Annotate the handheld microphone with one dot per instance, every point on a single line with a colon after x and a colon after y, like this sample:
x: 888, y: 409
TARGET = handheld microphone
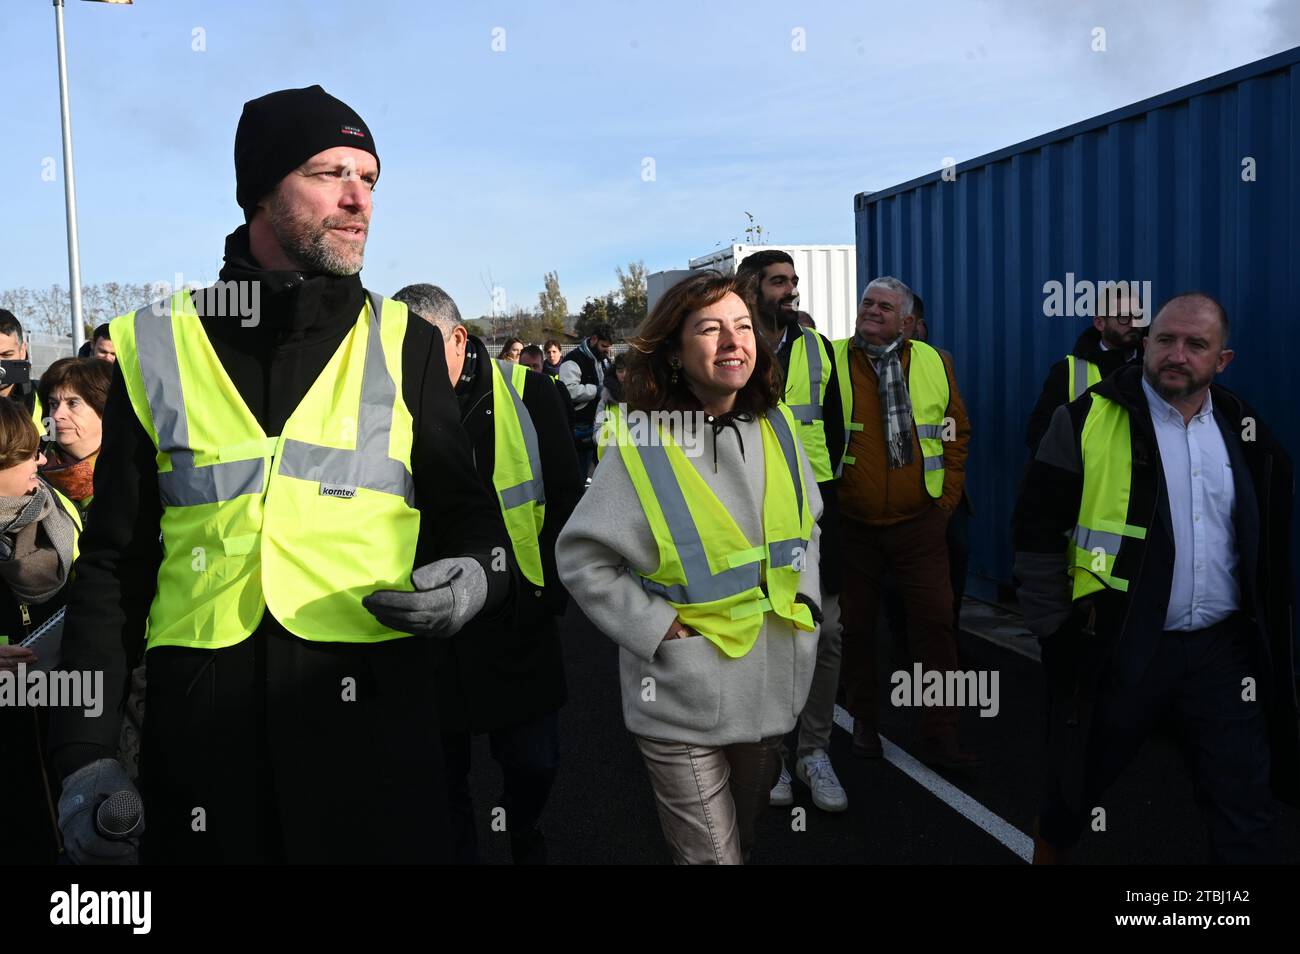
x: 120, y: 816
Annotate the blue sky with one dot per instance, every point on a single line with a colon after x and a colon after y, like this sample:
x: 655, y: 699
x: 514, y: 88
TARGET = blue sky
x: 499, y: 166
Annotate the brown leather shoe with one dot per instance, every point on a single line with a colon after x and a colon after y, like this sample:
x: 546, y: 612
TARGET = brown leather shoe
x: 946, y: 754
x: 866, y: 742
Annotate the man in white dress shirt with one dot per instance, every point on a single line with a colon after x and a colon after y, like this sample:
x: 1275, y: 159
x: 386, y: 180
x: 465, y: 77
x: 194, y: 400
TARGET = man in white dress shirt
x: 1172, y: 598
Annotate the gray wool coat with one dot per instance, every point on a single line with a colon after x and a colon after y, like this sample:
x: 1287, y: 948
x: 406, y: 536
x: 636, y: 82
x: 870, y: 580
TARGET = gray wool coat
x: 700, y: 695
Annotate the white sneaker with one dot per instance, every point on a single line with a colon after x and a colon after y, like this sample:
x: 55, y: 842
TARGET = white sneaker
x: 815, y: 771
x: 782, y: 794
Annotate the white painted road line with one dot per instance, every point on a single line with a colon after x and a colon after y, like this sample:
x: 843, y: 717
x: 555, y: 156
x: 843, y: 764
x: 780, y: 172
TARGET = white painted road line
x: 1009, y: 835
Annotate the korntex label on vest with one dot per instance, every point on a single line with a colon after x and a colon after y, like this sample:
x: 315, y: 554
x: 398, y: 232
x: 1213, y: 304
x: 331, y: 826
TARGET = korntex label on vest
x: 77, y: 907
x: 337, y: 490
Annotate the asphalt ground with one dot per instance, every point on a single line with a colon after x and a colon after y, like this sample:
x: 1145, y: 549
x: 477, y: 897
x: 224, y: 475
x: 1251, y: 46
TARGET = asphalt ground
x: 602, y: 811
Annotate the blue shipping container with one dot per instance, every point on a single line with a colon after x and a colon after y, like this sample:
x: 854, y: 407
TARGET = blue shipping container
x: 1193, y: 189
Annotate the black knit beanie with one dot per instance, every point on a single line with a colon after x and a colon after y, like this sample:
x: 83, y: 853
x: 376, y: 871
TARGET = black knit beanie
x: 280, y: 131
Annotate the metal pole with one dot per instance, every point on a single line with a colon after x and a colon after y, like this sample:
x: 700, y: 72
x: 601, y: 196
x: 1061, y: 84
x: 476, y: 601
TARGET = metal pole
x: 69, y: 186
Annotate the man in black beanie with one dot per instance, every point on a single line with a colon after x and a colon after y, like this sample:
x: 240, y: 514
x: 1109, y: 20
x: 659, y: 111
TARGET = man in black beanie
x: 320, y: 520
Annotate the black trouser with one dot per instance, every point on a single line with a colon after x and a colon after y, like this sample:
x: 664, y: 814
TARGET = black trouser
x: 529, y: 754
x: 1198, y: 678
x: 280, y: 749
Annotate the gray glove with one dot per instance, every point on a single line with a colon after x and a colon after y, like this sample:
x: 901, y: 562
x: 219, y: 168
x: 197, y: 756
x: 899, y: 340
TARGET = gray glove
x: 448, y: 594
x: 83, y: 790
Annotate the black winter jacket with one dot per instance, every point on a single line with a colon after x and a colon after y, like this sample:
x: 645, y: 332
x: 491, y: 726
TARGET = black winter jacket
x: 1128, y: 625
x: 503, y: 672
x: 1056, y: 386
x: 255, y: 732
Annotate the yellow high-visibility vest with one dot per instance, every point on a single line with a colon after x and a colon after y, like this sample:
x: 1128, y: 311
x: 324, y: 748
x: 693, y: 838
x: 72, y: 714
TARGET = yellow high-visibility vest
x: 517, y: 472
x: 805, y: 394
x: 1079, y: 375
x: 927, y: 386
x: 38, y: 413
x: 307, y: 522
x: 73, y: 511
x: 1102, y: 526
x: 720, y: 583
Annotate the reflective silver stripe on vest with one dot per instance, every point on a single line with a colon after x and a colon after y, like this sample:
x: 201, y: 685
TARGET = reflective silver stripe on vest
x: 187, y: 485
x: 807, y: 413
x: 184, y: 485
x: 932, y: 431
x: 339, y: 467
x: 1089, y: 539
x: 368, y: 466
x: 702, y: 584
x: 533, y: 490
x: 784, y: 552
x: 1080, y: 377
x: 934, y: 463
x: 191, y: 486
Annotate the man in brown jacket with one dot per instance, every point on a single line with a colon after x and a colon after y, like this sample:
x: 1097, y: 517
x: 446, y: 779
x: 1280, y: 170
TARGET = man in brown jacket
x: 903, y: 476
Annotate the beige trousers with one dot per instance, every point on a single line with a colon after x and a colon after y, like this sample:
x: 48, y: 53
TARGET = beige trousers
x: 709, y: 797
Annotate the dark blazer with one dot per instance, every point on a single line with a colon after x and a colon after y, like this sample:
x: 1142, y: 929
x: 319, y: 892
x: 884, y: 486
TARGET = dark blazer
x: 503, y: 672
x: 1128, y: 625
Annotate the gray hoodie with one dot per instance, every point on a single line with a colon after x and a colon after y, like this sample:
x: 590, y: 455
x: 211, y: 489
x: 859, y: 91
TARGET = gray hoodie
x: 700, y: 696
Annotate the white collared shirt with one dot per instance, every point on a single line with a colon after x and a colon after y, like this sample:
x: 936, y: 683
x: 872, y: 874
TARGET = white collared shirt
x: 1202, y: 498
x: 1127, y: 357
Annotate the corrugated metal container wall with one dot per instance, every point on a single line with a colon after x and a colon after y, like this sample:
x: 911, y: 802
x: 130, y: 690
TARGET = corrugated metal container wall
x: 1156, y: 191
x: 827, y: 280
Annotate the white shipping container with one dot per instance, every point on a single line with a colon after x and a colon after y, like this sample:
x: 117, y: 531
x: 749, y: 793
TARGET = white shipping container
x: 827, y: 280
x: 656, y: 283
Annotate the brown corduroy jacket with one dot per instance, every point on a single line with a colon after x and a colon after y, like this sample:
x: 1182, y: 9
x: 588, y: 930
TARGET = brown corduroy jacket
x: 870, y: 491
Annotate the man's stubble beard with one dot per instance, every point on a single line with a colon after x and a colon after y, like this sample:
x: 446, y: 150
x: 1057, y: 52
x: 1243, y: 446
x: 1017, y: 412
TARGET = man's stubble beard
x: 1181, y: 391
x: 771, y: 318
x: 305, y: 241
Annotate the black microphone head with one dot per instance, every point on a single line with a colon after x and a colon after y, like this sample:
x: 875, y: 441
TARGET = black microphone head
x: 119, y: 815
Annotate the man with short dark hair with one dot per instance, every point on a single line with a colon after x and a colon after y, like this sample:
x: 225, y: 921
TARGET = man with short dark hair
x: 774, y: 275
x: 533, y: 359
x: 1153, y: 538
x: 583, y: 373
x: 286, y: 516
x: 812, y: 390
x: 1114, y: 341
x: 101, y: 345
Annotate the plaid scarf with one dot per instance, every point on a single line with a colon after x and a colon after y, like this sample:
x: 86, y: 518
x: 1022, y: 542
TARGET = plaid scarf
x: 895, y: 402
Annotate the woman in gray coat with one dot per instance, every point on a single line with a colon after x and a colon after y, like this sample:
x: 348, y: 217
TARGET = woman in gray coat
x: 707, y: 694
